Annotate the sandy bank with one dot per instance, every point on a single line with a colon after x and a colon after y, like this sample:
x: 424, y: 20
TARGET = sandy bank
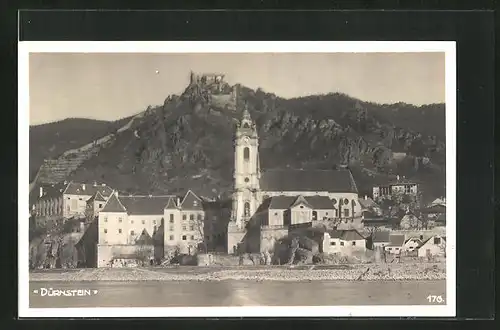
x: 371, y: 272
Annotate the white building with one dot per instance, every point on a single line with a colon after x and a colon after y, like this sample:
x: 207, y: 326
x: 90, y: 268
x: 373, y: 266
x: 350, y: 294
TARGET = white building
x: 257, y: 192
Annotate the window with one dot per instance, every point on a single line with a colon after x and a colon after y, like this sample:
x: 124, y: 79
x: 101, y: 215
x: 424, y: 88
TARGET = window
x: 154, y: 229
x: 100, y: 205
x: 184, y: 227
x: 247, y: 180
x: 192, y: 237
x: 333, y: 243
x: 397, y: 249
x: 105, y: 219
x: 184, y: 217
x: 246, y: 153
x: 191, y: 217
x: 315, y: 215
x: 200, y: 217
x: 353, y: 243
x: 184, y: 237
x: 119, y: 231
x: 171, y: 218
x: 120, y: 219
x: 171, y: 237
x: 341, y: 243
x: 302, y: 206
x: 171, y: 228
x: 195, y: 203
x: 80, y: 199
x: 132, y: 233
x: 191, y: 227
x: 143, y: 222
x: 246, y: 210
x: 390, y: 249
x: 131, y: 221
x: 326, y: 213
x: 346, y: 212
x: 105, y: 230
x: 154, y: 222
x: 437, y: 240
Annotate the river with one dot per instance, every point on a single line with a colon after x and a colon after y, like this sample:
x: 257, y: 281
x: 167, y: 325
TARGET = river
x: 236, y: 293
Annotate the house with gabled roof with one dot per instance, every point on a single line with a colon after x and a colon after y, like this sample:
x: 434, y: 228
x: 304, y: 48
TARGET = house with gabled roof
x: 412, y: 244
x: 128, y: 221
x: 344, y: 242
x: 76, y: 195
x: 433, y: 246
x: 396, y: 244
x: 95, y: 205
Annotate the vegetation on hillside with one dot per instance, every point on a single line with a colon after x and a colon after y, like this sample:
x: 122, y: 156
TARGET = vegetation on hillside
x: 187, y: 142
x: 48, y: 141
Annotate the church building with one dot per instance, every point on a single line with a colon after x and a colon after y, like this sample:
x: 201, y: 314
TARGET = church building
x: 270, y: 202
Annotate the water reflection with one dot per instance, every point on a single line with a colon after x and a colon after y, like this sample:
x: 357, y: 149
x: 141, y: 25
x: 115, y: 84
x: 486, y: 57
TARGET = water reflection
x: 238, y: 293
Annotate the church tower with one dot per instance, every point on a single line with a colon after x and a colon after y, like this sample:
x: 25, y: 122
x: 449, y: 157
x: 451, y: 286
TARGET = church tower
x: 246, y: 171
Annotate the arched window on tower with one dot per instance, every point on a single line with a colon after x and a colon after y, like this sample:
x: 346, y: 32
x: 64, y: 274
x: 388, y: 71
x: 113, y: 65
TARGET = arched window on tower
x: 245, y: 125
x: 246, y: 153
x: 246, y: 209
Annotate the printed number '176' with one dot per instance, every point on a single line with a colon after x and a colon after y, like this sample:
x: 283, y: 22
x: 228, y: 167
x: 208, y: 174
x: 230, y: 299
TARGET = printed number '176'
x: 435, y: 299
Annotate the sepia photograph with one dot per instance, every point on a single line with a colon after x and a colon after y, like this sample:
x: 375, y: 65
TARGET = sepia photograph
x: 273, y: 178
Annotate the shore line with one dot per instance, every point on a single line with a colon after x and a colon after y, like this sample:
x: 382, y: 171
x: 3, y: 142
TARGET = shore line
x: 373, y: 272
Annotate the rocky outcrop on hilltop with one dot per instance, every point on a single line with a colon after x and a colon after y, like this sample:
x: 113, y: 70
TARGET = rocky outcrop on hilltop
x: 187, y: 141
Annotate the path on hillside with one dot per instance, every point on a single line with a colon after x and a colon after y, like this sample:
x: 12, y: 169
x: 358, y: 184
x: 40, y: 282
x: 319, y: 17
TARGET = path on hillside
x: 54, y: 171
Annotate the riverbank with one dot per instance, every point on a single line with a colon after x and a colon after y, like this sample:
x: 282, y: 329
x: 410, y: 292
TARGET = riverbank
x: 361, y: 272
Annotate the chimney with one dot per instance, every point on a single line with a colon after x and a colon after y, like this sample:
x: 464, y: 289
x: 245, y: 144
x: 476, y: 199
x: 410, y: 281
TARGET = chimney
x: 41, y: 192
x: 83, y: 187
x: 178, y: 202
x: 397, y: 177
x: 95, y: 184
x: 82, y: 226
x: 366, y: 197
x: 104, y: 185
x: 116, y: 193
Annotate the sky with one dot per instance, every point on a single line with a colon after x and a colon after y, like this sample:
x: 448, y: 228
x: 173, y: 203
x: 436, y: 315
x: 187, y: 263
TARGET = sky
x: 110, y: 86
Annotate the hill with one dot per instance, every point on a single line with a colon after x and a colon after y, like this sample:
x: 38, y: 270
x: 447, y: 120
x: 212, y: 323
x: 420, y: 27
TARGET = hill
x: 187, y: 142
x: 48, y: 141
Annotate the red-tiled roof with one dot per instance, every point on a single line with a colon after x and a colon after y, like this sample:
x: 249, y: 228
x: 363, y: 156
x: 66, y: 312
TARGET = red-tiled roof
x: 113, y: 205
x: 145, y: 205
x: 308, y: 180
x: 85, y: 189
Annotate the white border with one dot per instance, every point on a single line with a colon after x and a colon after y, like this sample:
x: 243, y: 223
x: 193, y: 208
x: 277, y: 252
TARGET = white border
x: 24, y: 48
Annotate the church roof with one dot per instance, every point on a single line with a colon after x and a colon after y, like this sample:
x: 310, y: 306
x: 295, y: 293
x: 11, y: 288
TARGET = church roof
x: 285, y: 202
x: 340, y: 180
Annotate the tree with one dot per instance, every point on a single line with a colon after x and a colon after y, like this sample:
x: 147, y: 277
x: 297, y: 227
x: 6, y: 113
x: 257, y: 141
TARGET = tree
x: 142, y: 253
x: 199, y: 224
